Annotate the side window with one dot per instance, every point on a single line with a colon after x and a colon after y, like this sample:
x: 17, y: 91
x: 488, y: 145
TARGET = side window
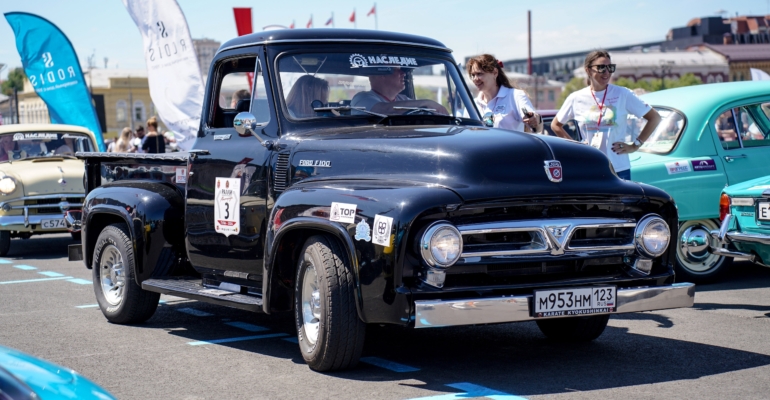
x: 259, y: 106
x: 753, y: 125
x: 726, y: 130
x: 234, y: 88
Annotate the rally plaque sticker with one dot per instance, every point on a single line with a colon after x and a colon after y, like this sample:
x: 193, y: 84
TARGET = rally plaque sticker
x: 381, y: 230
x: 181, y: 175
x: 227, y: 210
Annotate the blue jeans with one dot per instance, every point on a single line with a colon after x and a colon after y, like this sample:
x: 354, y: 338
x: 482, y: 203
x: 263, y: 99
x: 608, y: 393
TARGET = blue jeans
x: 625, y: 174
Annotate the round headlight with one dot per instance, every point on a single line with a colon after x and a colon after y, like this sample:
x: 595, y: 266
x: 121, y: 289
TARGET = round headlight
x: 652, y: 236
x: 441, y: 245
x: 7, y: 185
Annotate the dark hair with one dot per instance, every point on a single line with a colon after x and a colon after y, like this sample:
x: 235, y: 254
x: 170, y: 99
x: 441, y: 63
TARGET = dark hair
x: 488, y: 63
x: 153, y: 122
x: 595, y: 55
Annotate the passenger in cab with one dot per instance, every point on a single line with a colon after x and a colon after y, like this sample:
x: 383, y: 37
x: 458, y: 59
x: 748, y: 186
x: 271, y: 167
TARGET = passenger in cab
x: 303, y: 93
x: 6, y: 147
x: 386, y: 94
x: 511, y: 107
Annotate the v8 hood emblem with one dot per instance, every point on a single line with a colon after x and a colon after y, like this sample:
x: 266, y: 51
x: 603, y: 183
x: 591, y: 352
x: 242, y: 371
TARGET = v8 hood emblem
x: 558, y: 235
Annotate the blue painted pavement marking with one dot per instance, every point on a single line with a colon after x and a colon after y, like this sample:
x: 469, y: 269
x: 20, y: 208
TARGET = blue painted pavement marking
x: 247, y: 326
x: 4, y: 261
x: 192, y: 311
x: 35, y: 280
x: 236, y: 339
x: 80, y: 281
x: 471, y: 391
x: 50, y: 273
x: 292, y: 339
x: 393, y: 366
x: 24, y: 267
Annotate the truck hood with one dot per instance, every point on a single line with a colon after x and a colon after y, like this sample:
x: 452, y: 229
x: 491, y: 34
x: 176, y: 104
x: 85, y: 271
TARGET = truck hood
x: 480, y: 164
x: 44, y: 175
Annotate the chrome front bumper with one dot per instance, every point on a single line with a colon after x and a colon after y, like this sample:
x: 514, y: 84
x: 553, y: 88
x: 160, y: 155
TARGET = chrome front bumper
x: 720, y: 241
x: 26, y: 219
x: 438, y: 313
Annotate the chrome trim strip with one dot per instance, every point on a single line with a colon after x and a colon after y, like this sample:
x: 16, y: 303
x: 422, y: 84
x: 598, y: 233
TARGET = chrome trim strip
x: 438, y: 313
x: 45, y: 197
x: 721, y: 239
x: 552, y: 243
x: 35, y: 206
x: 322, y: 41
x: 26, y: 220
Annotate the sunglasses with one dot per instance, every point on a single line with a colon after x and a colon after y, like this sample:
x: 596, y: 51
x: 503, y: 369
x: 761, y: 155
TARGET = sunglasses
x: 600, y: 68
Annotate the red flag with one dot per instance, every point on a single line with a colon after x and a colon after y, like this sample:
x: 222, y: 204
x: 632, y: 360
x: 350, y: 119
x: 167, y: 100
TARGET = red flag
x: 292, y: 25
x: 309, y: 23
x: 353, y: 16
x: 329, y: 22
x: 242, y: 20
x: 372, y: 11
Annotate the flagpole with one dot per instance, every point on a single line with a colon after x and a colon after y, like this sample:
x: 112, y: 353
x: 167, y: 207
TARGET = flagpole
x: 375, y: 16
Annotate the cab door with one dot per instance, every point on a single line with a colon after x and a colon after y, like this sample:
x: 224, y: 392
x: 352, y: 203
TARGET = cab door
x: 227, y: 190
x: 744, y: 135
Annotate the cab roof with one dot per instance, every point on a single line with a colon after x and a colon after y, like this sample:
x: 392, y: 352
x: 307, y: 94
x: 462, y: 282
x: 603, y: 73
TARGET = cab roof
x: 332, y: 36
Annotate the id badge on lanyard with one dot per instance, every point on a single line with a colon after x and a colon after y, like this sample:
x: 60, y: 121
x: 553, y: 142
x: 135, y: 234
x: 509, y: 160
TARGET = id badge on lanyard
x: 598, y: 134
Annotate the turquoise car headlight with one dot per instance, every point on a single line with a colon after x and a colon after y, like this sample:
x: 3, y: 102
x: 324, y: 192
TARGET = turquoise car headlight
x: 652, y: 236
x: 7, y: 185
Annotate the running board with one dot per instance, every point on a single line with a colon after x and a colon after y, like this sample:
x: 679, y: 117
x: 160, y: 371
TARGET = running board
x: 193, y: 289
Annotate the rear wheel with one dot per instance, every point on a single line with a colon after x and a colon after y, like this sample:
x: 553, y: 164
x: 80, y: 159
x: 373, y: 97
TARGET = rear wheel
x: 694, y: 263
x: 5, y: 243
x: 120, y: 298
x: 330, y: 333
x: 578, y: 329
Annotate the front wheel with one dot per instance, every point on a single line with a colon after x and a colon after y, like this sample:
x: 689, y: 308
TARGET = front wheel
x: 330, y: 333
x: 576, y: 329
x: 120, y: 298
x: 694, y: 263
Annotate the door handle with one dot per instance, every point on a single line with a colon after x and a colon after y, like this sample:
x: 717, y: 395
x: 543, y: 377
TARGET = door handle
x: 731, y: 158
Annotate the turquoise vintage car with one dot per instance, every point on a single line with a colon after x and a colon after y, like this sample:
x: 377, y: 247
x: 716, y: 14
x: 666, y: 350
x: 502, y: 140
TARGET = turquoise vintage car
x: 711, y: 136
x: 23, y: 376
x: 745, y: 230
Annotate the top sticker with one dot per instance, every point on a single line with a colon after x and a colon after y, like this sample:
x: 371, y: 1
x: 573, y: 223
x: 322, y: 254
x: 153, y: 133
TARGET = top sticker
x: 342, y: 212
x: 382, y: 60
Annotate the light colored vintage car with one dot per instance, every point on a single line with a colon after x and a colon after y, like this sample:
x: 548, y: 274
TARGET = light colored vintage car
x: 710, y: 136
x: 745, y: 231
x: 40, y: 179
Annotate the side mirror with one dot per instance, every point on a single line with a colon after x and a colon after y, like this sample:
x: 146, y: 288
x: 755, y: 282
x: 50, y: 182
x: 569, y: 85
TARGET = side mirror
x: 246, y: 124
x: 488, y: 119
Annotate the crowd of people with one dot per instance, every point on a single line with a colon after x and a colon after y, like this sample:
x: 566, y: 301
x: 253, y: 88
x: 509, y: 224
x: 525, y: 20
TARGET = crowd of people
x: 138, y: 141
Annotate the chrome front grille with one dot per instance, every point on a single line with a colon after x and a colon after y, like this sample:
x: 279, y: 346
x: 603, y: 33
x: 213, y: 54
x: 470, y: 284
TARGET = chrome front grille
x: 547, y: 237
x: 281, y: 172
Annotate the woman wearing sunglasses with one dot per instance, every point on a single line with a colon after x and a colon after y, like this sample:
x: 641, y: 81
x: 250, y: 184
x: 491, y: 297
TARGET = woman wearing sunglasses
x: 511, y: 107
x: 601, y: 110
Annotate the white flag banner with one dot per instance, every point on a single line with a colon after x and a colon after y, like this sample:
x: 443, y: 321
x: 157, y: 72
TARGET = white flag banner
x: 173, y: 73
x: 759, y: 75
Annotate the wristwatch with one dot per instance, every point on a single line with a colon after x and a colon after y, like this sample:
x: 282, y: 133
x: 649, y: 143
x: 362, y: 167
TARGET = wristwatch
x: 638, y: 143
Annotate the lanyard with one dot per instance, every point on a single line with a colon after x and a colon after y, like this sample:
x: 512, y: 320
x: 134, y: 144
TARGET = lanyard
x: 601, y: 106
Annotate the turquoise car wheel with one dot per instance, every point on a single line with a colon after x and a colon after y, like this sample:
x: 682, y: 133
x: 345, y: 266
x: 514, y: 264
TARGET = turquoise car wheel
x: 694, y: 262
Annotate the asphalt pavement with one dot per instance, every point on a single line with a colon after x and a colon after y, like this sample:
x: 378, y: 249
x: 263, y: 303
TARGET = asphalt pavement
x: 191, y: 350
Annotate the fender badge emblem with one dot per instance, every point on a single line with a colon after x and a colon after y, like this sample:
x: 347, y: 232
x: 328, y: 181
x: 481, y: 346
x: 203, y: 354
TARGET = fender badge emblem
x: 553, y: 170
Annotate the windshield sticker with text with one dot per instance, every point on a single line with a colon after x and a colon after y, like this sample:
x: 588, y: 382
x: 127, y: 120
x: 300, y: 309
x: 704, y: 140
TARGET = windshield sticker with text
x: 382, y: 60
x: 28, y: 136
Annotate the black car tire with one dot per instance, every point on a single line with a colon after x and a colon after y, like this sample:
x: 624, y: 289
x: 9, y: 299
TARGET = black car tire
x: 329, y: 331
x: 113, y: 265
x: 707, y: 267
x: 577, y: 329
x: 5, y: 243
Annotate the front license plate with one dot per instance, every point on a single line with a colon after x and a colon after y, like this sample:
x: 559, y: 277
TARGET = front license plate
x: 53, y: 224
x: 575, y: 301
x: 763, y: 212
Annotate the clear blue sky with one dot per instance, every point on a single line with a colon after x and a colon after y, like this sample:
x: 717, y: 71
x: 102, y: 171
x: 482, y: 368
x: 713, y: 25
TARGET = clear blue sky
x: 104, y: 28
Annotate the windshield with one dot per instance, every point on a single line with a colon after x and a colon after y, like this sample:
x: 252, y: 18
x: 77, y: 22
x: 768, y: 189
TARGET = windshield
x: 664, y: 137
x: 22, y: 145
x: 366, y: 85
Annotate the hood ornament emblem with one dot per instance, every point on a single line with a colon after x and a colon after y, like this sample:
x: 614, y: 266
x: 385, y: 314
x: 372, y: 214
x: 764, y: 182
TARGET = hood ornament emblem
x: 553, y: 170
x: 62, y: 181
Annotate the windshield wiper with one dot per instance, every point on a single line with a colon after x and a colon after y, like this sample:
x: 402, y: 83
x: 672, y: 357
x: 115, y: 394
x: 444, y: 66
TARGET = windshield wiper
x: 417, y: 109
x: 349, y: 108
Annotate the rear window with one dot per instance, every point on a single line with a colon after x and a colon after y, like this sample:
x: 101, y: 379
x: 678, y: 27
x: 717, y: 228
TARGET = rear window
x: 665, y: 136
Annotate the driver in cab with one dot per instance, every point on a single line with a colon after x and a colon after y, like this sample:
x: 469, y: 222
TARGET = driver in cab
x: 386, y: 94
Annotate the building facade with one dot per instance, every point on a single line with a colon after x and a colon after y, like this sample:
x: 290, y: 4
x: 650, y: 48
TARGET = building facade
x: 205, y: 49
x: 741, y: 58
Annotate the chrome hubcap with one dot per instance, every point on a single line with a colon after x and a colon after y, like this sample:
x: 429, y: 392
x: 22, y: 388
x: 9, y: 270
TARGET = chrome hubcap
x: 692, y: 249
x: 111, y: 275
x: 311, y: 302
x: 694, y: 242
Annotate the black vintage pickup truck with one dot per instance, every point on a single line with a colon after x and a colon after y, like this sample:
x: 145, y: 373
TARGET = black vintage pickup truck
x: 311, y: 190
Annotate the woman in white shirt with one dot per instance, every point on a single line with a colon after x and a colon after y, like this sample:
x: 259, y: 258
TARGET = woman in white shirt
x: 511, y: 107
x: 601, y: 110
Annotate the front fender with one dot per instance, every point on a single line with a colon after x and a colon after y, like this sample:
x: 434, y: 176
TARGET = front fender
x: 304, y: 211
x: 154, y: 214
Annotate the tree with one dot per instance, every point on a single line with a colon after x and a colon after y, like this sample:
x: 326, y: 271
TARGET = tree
x: 653, y: 85
x: 573, y: 85
x: 15, y: 81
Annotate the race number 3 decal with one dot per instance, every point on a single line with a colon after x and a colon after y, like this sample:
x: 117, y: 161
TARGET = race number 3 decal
x: 227, y: 210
